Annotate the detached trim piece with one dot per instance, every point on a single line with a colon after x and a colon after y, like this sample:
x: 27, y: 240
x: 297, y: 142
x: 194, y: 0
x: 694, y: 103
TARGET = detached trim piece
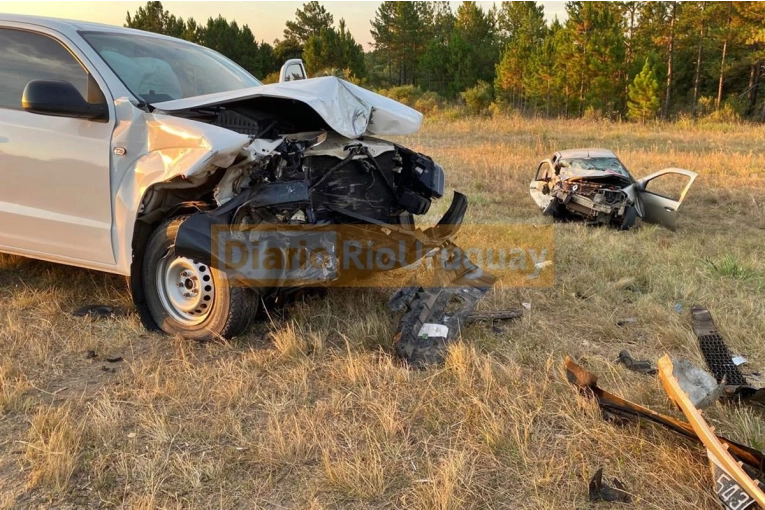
x: 717, y: 451
x: 712, y: 345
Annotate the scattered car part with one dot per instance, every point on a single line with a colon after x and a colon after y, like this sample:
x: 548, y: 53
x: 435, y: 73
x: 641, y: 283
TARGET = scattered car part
x: 628, y: 320
x: 598, y: 491
x: 434, y: 316
x: 114, y: 360
x: 617, y: 407
x: 501, y: 315
x: 99, y: 312
x: 593, y: 184
x: 719, y: 359
x: 735, y: 488
x: 701, y: 388
x: 641, y: 367
x: 713, y: 348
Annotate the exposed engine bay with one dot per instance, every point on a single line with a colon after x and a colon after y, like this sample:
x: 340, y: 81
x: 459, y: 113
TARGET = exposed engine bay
x: 598, y: 200
x: 288, y: 189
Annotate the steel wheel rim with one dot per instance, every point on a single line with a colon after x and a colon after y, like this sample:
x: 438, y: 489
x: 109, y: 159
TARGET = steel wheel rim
x: 186, y: 289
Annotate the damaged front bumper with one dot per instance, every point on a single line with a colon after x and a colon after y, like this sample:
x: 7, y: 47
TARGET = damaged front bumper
x: 601, y: 204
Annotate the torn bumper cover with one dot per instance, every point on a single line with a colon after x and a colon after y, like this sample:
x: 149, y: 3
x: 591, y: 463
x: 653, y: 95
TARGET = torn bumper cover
x: 211, y: 237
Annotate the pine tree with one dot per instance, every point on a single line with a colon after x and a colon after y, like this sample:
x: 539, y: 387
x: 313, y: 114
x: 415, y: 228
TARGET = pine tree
x: 400, y: 31
x: 541, y: 82
x: 434, y: 75
x: 596, y: 54
x: 522, y: 28
x: 644, y: 100
x: 310, y: 20
x: 334, y: 49
x: 474, y: 51
x: 154, y: 18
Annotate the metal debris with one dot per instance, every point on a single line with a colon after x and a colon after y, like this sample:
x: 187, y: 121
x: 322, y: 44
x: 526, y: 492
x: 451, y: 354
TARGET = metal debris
x: 598, y: 491
x: 737, y: 469
x: 641, y: 367
x: 418, y: 340
x: 734, y: 486
x: 719, y: 360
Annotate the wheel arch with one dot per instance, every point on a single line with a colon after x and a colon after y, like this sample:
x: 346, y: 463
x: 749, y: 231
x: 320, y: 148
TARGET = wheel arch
x: 159, y: 203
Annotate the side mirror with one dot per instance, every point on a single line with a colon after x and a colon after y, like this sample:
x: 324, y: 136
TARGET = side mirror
x: 60, y: 99
x: 292, y: 70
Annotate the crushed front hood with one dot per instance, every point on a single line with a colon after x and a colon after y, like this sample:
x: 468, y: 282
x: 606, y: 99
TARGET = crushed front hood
x: 348, y: 109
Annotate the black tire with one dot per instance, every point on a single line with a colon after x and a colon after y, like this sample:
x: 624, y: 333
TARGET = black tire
x: 223, y: 311
x: 630, y: 216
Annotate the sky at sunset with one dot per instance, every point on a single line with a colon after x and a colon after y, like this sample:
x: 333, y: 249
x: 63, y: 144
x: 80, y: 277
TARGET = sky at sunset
x: 265, y: 19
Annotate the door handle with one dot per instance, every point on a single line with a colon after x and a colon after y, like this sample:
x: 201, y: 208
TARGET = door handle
x: 668, y: 209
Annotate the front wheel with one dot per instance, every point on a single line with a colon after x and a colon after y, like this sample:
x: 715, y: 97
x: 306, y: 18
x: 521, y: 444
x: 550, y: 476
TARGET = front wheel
x: 630, y: 216
x: 556, y: 209
x: 189, y: 298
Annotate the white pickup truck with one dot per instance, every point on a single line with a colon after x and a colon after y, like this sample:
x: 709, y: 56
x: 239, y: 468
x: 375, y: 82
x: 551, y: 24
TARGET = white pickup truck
x: 122, y: 151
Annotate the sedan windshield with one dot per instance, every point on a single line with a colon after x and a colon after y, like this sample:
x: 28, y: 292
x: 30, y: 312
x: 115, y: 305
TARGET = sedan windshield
x: 608, y: 165
x: 157, y: 70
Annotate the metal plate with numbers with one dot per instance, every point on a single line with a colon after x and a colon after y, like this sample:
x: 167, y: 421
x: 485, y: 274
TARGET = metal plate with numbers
x: 730, y: 493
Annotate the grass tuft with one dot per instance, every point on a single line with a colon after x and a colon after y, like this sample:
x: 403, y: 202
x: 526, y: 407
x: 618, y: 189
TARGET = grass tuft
x: 52, y: 448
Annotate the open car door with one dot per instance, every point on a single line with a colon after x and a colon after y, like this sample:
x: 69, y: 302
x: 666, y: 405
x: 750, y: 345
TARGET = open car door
x: 540, y: 186
x: 662, y: 193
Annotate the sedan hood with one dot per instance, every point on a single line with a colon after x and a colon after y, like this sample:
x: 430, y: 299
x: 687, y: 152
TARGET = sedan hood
x: 348, y: 109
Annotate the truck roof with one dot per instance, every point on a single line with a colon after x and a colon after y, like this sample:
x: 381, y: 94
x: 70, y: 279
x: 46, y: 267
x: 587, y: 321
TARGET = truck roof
x: 71, y: 27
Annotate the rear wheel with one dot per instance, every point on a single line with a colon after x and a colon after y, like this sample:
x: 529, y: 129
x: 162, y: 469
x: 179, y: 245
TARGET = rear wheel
x: 188, y: 298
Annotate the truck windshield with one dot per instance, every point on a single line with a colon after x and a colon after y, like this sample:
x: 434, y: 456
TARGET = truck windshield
x: 157, y: 70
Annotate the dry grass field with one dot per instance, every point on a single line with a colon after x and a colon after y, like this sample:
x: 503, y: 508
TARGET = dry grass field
x: 310, y: 410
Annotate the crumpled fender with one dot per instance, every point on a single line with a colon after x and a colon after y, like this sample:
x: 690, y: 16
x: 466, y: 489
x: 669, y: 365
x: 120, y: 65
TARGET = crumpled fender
x: 158, y: 148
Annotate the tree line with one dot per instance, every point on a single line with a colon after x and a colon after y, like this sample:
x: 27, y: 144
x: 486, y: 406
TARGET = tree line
x: 312, y: 36
x: 636, y: 60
